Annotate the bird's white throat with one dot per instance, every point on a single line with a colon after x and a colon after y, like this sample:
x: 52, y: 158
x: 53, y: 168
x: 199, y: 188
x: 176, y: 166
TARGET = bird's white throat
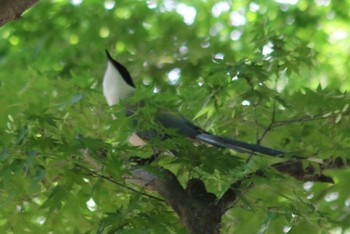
x: 114, y: 86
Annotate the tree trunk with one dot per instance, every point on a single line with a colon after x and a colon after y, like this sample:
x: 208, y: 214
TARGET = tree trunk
x: 196, y: 208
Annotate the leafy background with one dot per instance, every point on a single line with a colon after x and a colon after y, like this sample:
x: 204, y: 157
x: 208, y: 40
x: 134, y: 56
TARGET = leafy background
x: 269, y: 71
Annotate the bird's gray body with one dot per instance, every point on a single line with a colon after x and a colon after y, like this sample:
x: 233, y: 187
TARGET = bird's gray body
x: 117, y: 85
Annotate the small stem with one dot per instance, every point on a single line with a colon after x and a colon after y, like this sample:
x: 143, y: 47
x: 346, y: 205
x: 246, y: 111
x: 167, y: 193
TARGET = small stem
x: 95, y: 174
x: 273, y: 114
x: 301, y: 120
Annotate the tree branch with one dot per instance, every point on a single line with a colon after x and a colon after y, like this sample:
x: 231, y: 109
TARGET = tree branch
x: 110, y: 179
x: 13, y: 9
x: 294, y: 168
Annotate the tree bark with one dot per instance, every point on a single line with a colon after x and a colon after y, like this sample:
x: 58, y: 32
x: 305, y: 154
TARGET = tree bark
x: 197, y: 209
x: 13, y: 9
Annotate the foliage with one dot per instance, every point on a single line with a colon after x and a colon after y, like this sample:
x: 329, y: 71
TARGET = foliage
x: 258, y: 71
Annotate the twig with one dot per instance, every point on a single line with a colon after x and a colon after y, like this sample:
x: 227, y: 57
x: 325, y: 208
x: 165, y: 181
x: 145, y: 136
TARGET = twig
x: 273, y: 114
x: 95, y: 174
x: 302, y: 119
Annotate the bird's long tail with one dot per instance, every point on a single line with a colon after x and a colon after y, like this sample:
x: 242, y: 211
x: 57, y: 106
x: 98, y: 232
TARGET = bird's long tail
x: 239, y: 146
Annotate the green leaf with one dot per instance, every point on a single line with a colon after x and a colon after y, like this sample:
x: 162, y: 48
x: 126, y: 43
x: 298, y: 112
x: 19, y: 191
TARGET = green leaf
x: 4, y: 154
x: 208, y: 110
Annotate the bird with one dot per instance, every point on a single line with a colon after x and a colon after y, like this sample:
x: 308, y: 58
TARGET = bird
x: 118, y: 85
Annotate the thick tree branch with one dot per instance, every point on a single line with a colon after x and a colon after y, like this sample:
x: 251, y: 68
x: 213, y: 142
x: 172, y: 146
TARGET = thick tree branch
x: 294, y: 168
x: 196, y: 208
x: 13, y: 9
x: 312, y: 172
